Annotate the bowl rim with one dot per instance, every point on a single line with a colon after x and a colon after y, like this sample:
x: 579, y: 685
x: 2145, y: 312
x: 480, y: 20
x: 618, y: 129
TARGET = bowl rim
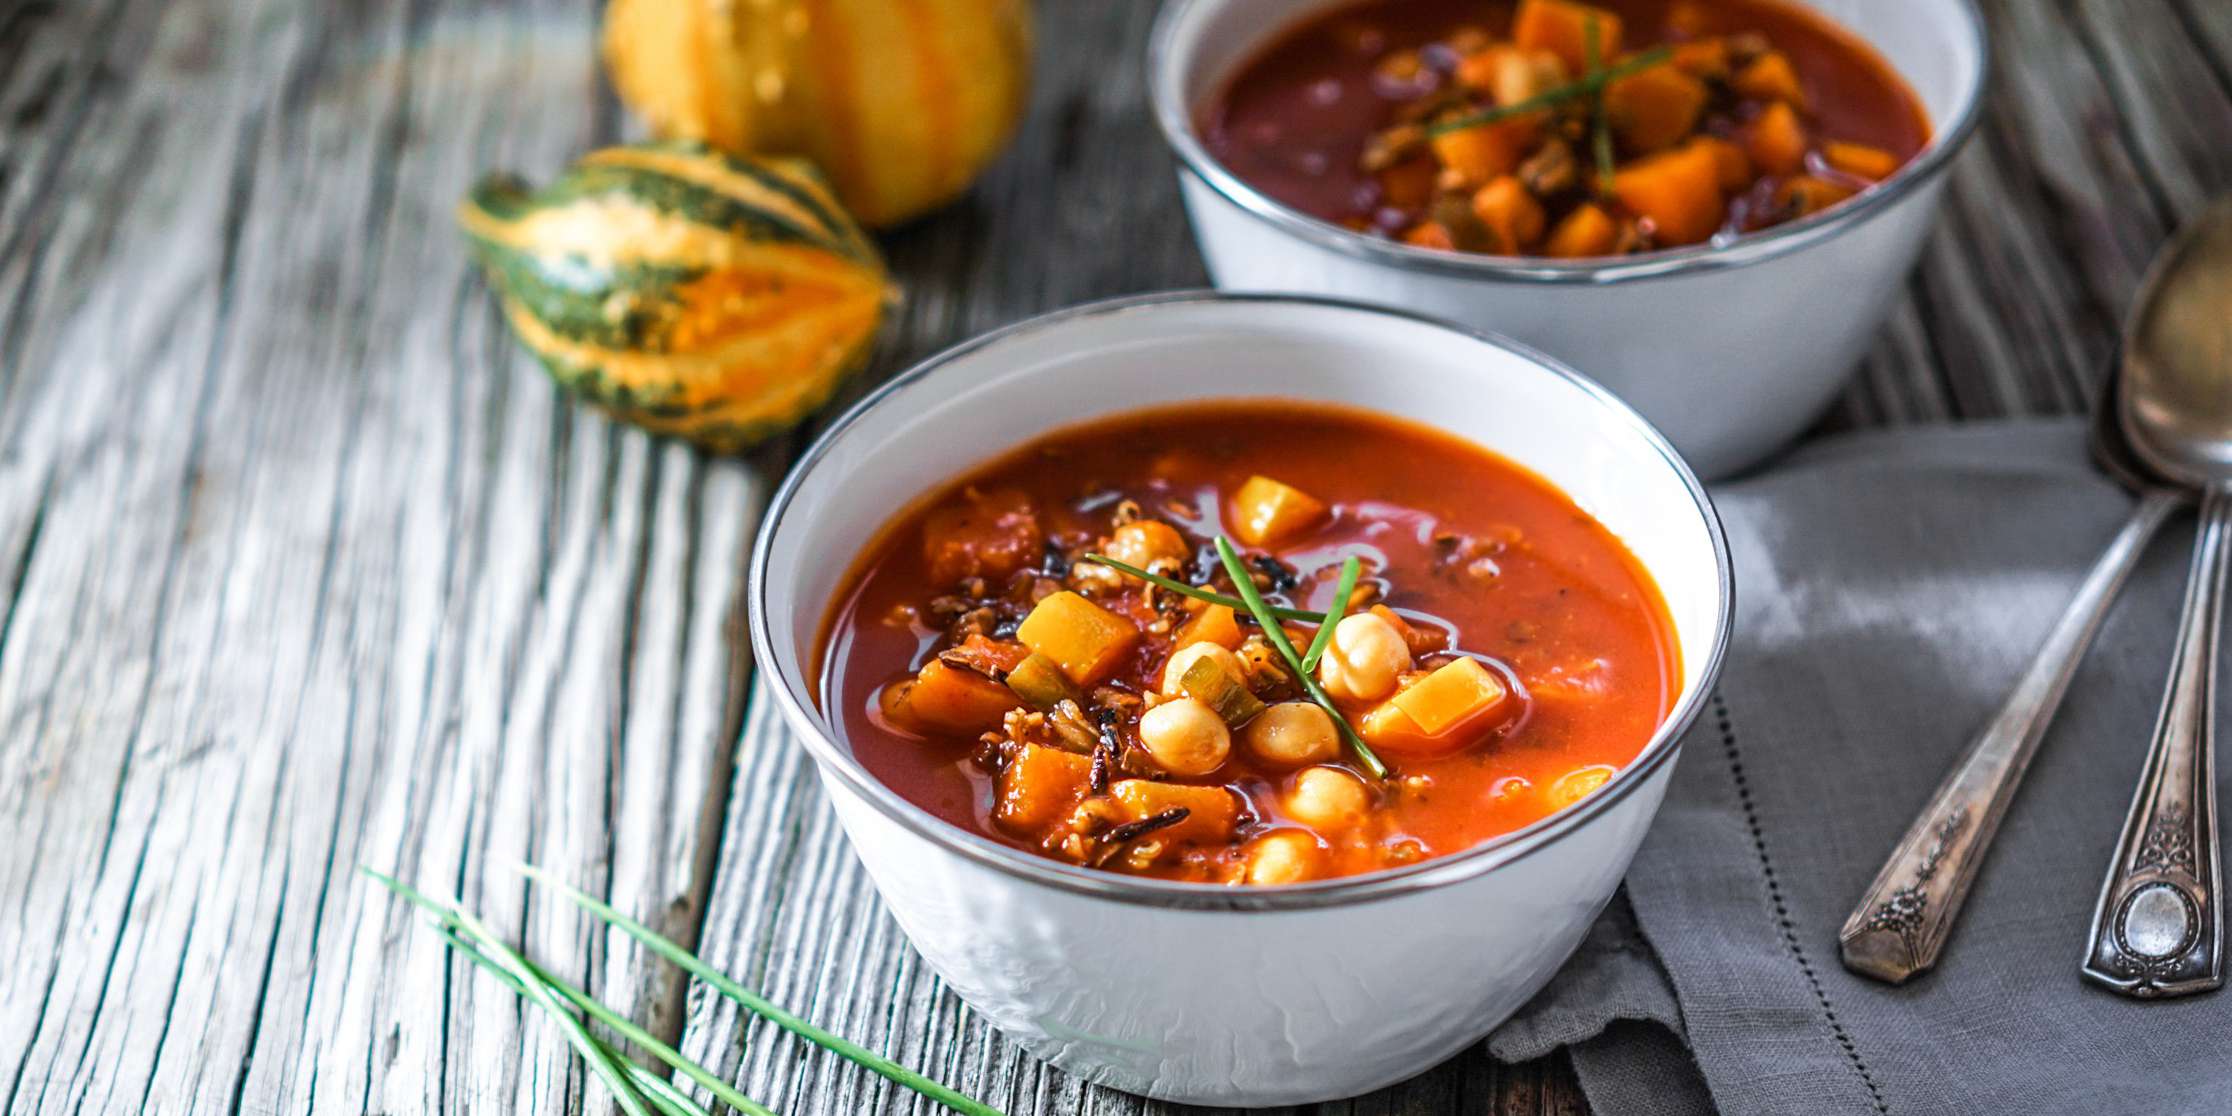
x: 1175, y: 120
x: 833, y: 759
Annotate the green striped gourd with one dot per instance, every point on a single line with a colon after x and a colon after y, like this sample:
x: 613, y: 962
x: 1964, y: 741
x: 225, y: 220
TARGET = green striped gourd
x: 688, y: 291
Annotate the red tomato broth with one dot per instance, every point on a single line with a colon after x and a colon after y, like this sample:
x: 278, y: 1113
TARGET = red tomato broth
x: 1294, y: 120
x: 1570, y: 611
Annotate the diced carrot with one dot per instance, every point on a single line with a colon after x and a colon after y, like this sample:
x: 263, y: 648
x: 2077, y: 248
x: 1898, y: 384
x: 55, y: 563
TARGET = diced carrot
x: 1512, y: 215
x: 1587, y: 231
x: 1705, y: 58
x: 984, y: 534
x: 1777, y: 141
x: 1082, y: 638
x: 1040, y: 787
x: 949, y: 699
x: 1265, y: 510
x: 1860, y: 160
x: 1484, y: 152
x: 1216, y: 624
x: 1678, y: 190
x: 1735, y: 166
x: 1211, y: 812
x: 1410, y: 183
x: 1430, y: 234
x: 1653, y: 109
x: 1806, y: 194
x: 1561, y: 27
x: 1770, y: 77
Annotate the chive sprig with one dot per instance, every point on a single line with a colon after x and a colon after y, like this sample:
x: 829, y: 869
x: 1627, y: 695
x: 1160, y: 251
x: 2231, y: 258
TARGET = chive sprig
x: 1276, y: 636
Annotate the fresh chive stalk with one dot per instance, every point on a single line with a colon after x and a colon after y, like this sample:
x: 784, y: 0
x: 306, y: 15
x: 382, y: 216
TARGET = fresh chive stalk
x: 1587, y: 85
x: 599, y: 1058
x: 1351, y: 569
x: 1198, y: 593
x: 1600, y: 129
x: 760, y: 1005
x: 1278, y: 640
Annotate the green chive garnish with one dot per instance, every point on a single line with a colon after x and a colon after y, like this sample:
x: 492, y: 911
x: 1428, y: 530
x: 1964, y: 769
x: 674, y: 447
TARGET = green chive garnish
x: 761, y: 1006
x: 1588, y: 85
x: 1278, y: 640
x: 1351, y: 569
x: 1198, y: 593
x: 1600, y: 129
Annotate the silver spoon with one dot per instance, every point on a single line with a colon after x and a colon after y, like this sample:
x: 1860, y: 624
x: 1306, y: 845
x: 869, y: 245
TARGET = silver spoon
x: 2158, y: 927
x: 1902, y: 922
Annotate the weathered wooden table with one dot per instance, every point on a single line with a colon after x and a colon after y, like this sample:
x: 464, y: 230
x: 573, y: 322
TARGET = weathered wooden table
x: 303, y: 565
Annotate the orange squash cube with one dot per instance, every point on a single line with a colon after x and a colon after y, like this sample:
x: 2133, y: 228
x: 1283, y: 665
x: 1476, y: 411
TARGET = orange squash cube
x: 1770, y: 77
x: 1265, y: 511
x: 1512, y: 215
x: 948, y: 699
x: 1705, y: 58
x: 1735, y: 166
x: 1211, y: 812
x: 1678, y: 190
x: 1860, y: 160
x: 1561, y: 27
x: 1777, y: 140
x: 1452, y: 695
x: 1430, y: 234
x: 1082, y: 638
x: 1654, y: 109
x: 1040, y: 787
x: 1484, y: 152
x: 1217, y: 624
x: 1587, y: 231
x: 1806, y: 194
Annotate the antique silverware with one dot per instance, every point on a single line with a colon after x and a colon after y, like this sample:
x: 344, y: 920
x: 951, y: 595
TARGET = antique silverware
x: 2158, y: 928
x: 1901, y: 924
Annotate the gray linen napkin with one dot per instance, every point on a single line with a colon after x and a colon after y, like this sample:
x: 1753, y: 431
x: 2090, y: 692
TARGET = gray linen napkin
x: 1889, y: 588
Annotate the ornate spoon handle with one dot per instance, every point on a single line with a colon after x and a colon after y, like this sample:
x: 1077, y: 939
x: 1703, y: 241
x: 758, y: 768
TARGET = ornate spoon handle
x: 2157, y: 929
x: 1902, y: 922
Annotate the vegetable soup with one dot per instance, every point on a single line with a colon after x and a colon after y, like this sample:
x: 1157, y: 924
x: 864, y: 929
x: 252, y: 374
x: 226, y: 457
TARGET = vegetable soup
x: 1247, y: 642
x: 1559, y: 129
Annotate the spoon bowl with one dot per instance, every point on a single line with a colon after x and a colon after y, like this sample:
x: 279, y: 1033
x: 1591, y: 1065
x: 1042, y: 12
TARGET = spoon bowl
x: 2175, y: 399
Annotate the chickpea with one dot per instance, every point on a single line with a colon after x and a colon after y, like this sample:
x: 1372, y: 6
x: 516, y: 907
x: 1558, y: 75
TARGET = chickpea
x: 1185, y: 737
x: 1185, y: 657
x: 1364, y: 660
x: 1145, y: 542
x: 1284, y: 856
x: 1292, y: 733
x: 1328, y: 798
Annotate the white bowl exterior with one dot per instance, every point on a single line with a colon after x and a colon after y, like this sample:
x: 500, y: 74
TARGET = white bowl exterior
x: 1225, y: 1006
x: 1731, y: 362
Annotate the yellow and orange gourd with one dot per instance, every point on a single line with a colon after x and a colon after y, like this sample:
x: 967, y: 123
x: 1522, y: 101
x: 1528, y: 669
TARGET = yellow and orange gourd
x: 901, y: 104
x: 691, y: 292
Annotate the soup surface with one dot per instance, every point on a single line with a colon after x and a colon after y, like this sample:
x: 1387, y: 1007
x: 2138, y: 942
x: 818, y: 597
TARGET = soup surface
x: 1716, y: 118
x: 1500, y: 656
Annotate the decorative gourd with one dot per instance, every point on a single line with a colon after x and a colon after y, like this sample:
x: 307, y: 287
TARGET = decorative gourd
x: 901, y: 104
x: 687, y: 291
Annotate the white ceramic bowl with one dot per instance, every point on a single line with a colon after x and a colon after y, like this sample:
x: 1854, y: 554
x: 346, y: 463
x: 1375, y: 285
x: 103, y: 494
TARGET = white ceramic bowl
x: 1198, y: 992
x: 1731, y: 351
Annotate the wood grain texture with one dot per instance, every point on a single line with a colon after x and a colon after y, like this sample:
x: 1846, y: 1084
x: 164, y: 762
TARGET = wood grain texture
x: 303, y: 565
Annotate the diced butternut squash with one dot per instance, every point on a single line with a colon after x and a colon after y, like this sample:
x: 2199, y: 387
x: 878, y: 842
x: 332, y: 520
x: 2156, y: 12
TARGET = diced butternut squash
x: 1512, y: 216
x: 1040, y: 787
x: 1458, y: 692
x: 1561, y: 27
x: 1437, y: 714
x: 1704, y: 58
x: 1265, y: 511
x: 1211, y: 812
x: 1408, y: 184
x: 947, y: 699
x: 1770, y: 77
x: 1735, y: 166
x: 1806, y: 194
x: 1678, y: 190
x: 1477, y: 71
x: 1587, y: 231
x: 1217, y: 624
x: 981, y: 534
x: 1082, y: 638
x: 1430, y: 234
x: 1654, y: 109
x: 1777, y: 141
x: 1860, y: 160
x: 1481, y: 153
